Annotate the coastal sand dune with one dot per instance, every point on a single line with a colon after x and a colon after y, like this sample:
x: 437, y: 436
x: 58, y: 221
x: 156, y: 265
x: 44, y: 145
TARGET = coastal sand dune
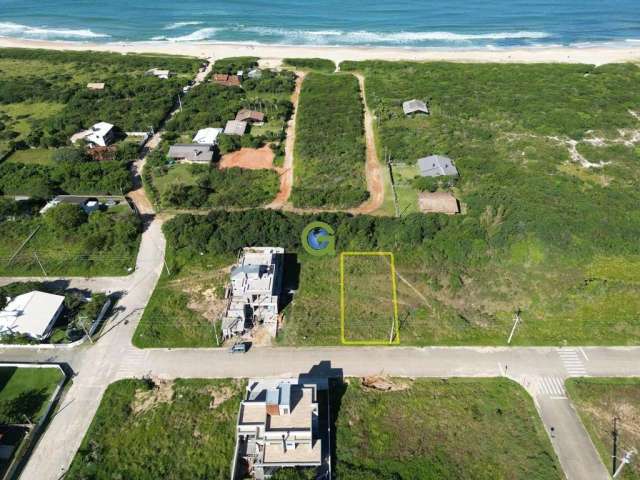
x: 590, y: 55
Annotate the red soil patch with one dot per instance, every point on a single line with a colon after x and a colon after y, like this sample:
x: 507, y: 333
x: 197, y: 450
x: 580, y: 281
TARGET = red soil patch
x: 250, y: 158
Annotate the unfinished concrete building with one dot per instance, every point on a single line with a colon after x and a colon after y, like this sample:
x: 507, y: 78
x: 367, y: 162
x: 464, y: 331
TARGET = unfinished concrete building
x: 280, y: 425
x: 254, y: 291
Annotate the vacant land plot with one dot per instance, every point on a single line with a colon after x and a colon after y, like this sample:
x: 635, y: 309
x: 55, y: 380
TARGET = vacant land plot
x: 330, y: 147
x: 599, y: 401
x: 186, y: 306
x: 177, y: 430
x: 539, y: 190
x: 105, y: 243
x: 368, y: 297
x: 313, y: 64
x: 483, y: 429
x: 201, y: 186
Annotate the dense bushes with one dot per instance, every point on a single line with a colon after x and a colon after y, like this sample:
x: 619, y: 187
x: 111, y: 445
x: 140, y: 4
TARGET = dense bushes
x: 43, y: 181
x: 231, y: 187
x: 330, y: 148
x: 317, y: 64
x: 233, y: 64
x: 271, y: 82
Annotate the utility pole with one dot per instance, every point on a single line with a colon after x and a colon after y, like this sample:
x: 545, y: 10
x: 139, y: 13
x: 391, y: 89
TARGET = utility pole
x: 44, y: 272
x: 614, y: 455
x: 180, y: 103
x: 515, y: 324
x: 215, y: 333
x: 84, y: 327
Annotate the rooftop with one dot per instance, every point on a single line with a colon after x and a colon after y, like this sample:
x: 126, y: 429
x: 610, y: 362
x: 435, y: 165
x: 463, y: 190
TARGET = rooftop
x: 207, y: 136
x: 235, y: 127
x: 31, y: 313
x: 414, y: 106
x: 274, y: 453
x: 193, y: 152
x: 436, y: 166
x: 249, y: 115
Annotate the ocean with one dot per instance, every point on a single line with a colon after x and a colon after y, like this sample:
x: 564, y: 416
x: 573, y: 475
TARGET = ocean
x: 393, y: 23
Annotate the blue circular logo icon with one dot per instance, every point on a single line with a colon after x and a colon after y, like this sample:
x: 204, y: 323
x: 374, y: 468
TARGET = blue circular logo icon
x: 318, y: 239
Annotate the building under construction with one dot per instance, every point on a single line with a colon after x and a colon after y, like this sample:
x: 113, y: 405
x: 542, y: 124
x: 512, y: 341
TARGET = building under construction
x: 254, y: 291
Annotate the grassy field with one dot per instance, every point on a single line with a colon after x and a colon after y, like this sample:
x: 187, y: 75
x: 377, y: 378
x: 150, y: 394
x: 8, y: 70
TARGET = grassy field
x: 185, y: 304
x: 311, y: 64
x: 539, y: 191
x: 184, y: 429
x: 598, y: 401
x: 434, y: 429
x: 25, y: 391
x: 330, y: 148
x: 38, y: 156
x: 104, y: 245
x: 368, y: 299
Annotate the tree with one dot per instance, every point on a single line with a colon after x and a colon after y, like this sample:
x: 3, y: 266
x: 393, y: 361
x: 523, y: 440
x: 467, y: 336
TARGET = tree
x: 66, y: 217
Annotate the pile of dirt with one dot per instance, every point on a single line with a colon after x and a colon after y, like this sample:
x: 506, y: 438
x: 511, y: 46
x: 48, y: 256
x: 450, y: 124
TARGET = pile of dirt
x: 383, y: 383
x: 161, y: 392
x: 249, y: 158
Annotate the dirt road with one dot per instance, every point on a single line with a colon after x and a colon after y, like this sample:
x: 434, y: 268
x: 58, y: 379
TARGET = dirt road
x: 286, y: 178
x: 373, y: 168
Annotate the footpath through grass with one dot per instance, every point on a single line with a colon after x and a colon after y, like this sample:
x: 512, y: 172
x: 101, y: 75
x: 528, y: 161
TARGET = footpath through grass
x: 179, y: 430
x: 330, y: 147
x: 598, y: 401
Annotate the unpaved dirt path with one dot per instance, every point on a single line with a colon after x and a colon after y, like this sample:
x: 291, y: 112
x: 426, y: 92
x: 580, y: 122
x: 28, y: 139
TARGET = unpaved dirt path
x: 373, y: 168
x: 286, y: 177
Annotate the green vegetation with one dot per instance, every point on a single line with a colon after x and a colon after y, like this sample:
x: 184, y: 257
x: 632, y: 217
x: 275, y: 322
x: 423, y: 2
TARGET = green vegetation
x: 199, y: 186
x: 534, y: 218
x: 315, y: 64
x: 483, y: 429
x: 330, y: 148
x: 368, y: 298
x: 598, y: 401
x: 179, y: 430
x: 25, y: 392
x: 232, y: 65
x: 32, y: 156
x: 44, y: 92
x: 66, y: 241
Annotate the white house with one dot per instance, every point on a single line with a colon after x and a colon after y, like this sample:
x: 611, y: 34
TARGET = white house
x: 278, y: 427
x: 156, y: 72
x: 101, y: 134
x: 32, y: 314
x: 256, y: 282
x: 207, y: 136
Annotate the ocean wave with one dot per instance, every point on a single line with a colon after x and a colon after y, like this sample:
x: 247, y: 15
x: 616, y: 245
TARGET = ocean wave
x: 10, y: 29
x: 176, y: 25
x: 364, y: 36
x: 198, y: 35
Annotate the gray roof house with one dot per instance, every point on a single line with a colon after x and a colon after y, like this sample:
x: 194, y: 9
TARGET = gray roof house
x: 191, y: 152
x: 235, y: 127
x: 437, y: 166
x: 411, y: 107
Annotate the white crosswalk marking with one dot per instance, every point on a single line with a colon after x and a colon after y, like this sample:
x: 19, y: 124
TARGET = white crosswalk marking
x: 551, y: 386
x: 130, y: 367
x: 572, y: 362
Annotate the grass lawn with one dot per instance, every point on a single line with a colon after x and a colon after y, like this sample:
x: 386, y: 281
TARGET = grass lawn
x: 177, y: 173
x: 184, y: 306
x: 39, y: 156
x: 598, y: 401
x: 434, y: 429
x: 25, y: 391
x: 184, y: 429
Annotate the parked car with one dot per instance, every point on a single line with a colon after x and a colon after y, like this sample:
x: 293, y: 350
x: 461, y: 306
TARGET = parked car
x: 240, y: 347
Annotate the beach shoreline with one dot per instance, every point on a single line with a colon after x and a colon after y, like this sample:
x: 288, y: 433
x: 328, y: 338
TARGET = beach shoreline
x: 597, y: 55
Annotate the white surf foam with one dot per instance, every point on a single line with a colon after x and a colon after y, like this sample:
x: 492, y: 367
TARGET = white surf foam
x: 198, y: 35
x: 11, y: 29
x: 363, y: 36
x: 174, y: 26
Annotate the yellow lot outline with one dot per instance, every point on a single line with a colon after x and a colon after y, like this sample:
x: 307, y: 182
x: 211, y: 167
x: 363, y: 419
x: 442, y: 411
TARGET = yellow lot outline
x: 396, y: 340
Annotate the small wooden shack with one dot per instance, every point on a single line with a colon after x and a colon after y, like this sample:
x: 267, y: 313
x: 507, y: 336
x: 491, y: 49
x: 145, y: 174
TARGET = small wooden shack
x: 226, y: 80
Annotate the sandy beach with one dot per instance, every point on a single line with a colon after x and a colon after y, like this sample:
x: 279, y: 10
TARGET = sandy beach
x: 591, y: 55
